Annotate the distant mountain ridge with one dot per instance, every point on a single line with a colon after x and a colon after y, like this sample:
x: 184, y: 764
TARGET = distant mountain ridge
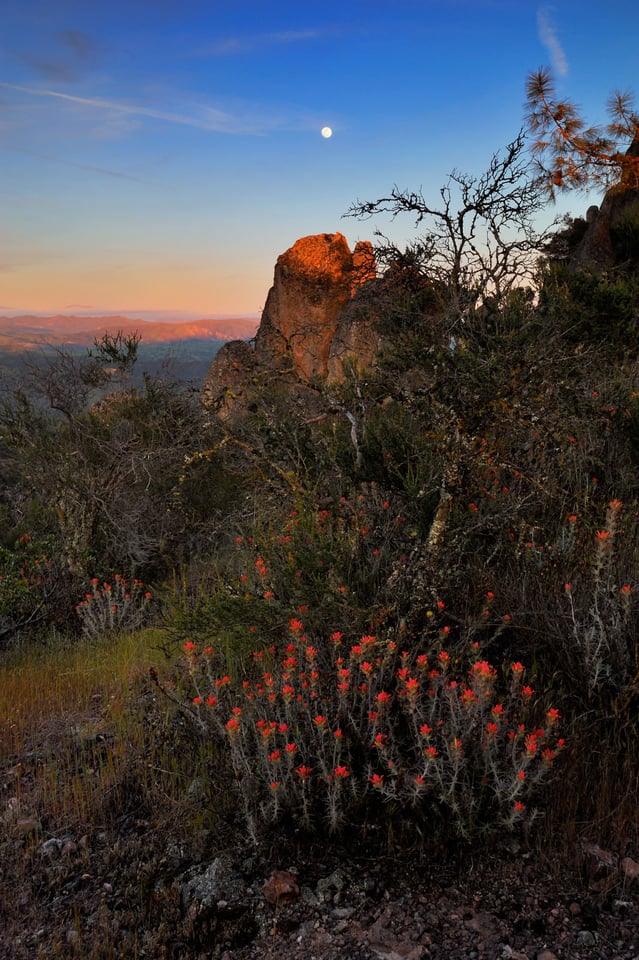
x: 28, y: 332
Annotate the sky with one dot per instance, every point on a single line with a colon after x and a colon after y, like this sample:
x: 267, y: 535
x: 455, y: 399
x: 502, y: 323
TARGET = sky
x: 159, y: 155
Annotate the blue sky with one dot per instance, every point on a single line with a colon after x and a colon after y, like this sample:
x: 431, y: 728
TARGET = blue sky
x: 160, y: 155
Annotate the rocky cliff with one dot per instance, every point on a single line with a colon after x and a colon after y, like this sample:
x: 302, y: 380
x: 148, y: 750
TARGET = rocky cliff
x: 314, y: 321
x: 611, y: 232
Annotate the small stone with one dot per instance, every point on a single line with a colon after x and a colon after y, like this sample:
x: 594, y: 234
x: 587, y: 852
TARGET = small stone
x: 546, y: 955
x: 281, y: 887
x: 51, y: 847
x: 334, y: 881
x: 585, y: 939
x: 343, y: 913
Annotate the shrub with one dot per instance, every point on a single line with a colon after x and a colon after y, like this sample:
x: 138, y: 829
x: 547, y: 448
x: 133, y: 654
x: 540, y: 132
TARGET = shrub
x: 326, y: 730
x: 35, y: 589
x: 331, y: 561
x: 111, y: 608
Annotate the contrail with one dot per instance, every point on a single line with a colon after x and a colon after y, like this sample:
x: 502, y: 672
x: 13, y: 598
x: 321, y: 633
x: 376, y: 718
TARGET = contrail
x: 548, y: 36
x: 71, y: 163
x: 216, y: 120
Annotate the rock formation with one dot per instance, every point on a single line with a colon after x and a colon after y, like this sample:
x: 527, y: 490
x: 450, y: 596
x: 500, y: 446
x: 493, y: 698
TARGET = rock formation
x: 314, y: 321
x: 611, y: 234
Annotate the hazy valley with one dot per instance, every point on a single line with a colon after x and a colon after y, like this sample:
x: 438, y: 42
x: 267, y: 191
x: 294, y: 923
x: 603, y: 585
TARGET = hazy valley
x: 182, y: 350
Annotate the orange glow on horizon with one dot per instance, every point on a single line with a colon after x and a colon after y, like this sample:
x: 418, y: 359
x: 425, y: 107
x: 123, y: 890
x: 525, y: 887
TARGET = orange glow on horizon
x: 55, y: 287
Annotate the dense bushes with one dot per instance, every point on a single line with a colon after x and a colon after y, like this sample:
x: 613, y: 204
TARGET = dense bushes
x: 495, y: 477
x: 469, y: 503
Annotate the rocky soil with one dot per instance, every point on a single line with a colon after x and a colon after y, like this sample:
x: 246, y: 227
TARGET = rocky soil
x: 126, y: 895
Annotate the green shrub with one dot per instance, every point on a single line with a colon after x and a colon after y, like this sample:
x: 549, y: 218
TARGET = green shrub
x: 35, y: 590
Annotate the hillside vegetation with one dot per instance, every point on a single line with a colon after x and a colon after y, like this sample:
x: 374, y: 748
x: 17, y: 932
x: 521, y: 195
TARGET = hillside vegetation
x: 401, y: 608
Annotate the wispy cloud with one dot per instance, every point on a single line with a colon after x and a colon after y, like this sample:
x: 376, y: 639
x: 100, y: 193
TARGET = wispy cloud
x: 548, y: 36
x: 71, y: 163
x: 242, y: 44
x: 203, y: 117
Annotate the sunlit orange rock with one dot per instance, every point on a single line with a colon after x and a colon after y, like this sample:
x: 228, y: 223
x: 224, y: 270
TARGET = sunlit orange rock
x: 313, y: 282
x: 317, y: 320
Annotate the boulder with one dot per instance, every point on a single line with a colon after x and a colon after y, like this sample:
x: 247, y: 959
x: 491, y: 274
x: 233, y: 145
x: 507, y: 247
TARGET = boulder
x: 313, y: 283
x: 229, y: 377
x: 317, y: 321
x: 611, y: 236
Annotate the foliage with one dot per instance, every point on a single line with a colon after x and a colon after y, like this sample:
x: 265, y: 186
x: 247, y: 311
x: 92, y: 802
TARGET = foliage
x: 473, y: 494
x: 332, y: 562
x: 573, y: 155
x: 109, y: 479
x: 592, y: 308
x: 34, y: 590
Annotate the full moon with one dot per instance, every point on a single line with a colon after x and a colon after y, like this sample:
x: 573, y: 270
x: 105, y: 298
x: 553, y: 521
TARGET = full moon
x: 326, y: 132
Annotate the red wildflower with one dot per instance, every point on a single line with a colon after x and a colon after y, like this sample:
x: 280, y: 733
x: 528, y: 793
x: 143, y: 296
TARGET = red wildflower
x: 412, y: 686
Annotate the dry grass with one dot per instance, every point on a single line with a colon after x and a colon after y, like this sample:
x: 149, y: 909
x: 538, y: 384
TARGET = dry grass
x: 80, y: 727
x: 99, y: 777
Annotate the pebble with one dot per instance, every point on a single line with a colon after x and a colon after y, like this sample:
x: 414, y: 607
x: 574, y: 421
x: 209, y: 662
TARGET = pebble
x: 585, y: 939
